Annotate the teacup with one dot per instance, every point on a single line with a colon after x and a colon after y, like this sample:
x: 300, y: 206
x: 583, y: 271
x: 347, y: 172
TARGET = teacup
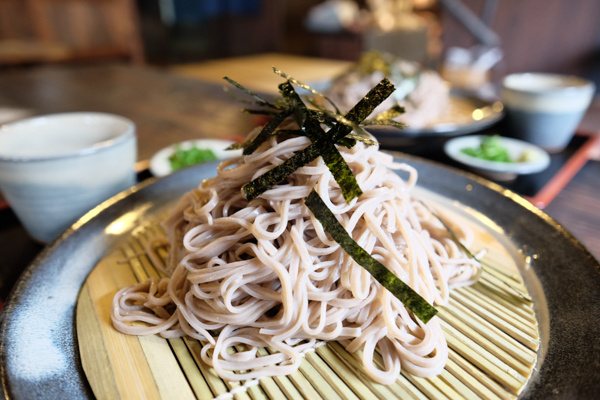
x: 545, y: 109
x: 55, y: 168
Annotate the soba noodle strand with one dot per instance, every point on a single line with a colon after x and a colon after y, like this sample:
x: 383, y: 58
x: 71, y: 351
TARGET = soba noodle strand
x: 265, y: 273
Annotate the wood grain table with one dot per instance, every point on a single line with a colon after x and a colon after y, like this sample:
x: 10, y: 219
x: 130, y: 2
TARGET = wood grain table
x: 168, y: 108
x: 256, y: 71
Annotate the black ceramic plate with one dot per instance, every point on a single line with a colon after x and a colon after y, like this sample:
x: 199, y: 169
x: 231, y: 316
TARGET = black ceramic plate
x: 395, y: 138
x: 39, y: 357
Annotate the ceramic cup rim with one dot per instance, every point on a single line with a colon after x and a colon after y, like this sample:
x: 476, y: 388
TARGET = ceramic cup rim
x: 579, y: 84
x: 127, y: 134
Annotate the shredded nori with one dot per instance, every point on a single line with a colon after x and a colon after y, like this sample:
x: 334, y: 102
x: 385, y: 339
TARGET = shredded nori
x: 305, y: 86
x: 296, y: 132
x: 240, y: 145
x: 367, y: 141
x: 335, y: 162
x: 267, y: 130
x: 388, y: 122
x: 411, y: 299
x: 259, y: 112
x: 391, y: 113
x: 272, y: 177
x: 347, y: 142
x: 322, y: 145
x: 259, y: 100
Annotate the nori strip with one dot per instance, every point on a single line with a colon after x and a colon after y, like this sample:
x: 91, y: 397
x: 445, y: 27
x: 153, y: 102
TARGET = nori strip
x: 357, y: 114
x: 347, y: 142
x: 411, y: 299
x: 237, y: 146
x: 273, y: 176
x: 388, y: 122
x: 340, y: 119
x: 259, y: 112
x: 391, y: 113
x: 305, y: 86
x: 299, y: 110
x: 367, y: 141
x: 266, y: 132
x: 243, y: 145
x: 259, y: 99
x: 367, y: 104
x: 297, y: 132
x: 341, y: 172
x: 335, y: 162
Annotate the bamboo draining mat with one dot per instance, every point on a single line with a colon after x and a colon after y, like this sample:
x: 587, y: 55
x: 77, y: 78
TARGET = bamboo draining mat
x: 490, y: 328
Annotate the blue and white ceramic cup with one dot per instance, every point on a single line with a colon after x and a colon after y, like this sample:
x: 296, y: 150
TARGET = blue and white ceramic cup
x: 55, y: 168
x: 545, y: 109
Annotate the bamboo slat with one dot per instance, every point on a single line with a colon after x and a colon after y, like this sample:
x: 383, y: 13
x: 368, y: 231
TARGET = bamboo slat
x: 490, y: 329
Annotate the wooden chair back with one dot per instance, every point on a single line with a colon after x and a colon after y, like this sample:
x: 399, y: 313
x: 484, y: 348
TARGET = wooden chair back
x: 84, y: 29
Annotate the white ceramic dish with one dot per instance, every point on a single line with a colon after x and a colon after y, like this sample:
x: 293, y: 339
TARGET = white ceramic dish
x: 161, y: 166
x: 501, y: 171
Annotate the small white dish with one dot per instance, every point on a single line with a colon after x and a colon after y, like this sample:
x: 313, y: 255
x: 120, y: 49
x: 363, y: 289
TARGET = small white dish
x: 161, y: 166
x: 55, y: 168
x: 538, y: 159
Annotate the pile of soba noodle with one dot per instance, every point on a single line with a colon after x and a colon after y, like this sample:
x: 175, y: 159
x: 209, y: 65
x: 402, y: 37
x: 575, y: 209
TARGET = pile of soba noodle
x: 265, y: 273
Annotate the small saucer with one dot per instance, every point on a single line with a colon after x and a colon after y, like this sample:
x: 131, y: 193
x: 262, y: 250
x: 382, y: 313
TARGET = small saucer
x: 537, y: 159
x: 161, y: 166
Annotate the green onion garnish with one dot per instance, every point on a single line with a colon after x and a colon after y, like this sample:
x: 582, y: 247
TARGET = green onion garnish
x: 411, y: 299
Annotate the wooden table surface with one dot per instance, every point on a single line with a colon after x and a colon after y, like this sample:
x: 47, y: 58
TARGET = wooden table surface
x: 256, y: 71
x: 168, y: 108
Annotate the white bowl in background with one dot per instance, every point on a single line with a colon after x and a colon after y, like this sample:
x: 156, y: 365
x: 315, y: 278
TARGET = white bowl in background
x: 538, y: 159
x: 545, y: 109
x: 55, y: 168
x: 161, y: 166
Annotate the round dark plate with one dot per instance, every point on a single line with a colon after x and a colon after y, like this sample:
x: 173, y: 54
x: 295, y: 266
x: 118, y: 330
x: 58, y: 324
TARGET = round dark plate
x: 39, y: 356
x: 393, y: 138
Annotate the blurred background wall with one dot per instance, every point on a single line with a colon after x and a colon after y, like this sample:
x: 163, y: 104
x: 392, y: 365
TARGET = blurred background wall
x: 534, y: 35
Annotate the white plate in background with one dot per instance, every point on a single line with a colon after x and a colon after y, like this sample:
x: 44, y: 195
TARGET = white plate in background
x: 161, y: 166
x: 538, y: 159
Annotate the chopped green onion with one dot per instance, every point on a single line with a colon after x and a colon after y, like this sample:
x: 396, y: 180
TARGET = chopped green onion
x: 490, y: 149
x: 411, y: 299
x: 186, y: 158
